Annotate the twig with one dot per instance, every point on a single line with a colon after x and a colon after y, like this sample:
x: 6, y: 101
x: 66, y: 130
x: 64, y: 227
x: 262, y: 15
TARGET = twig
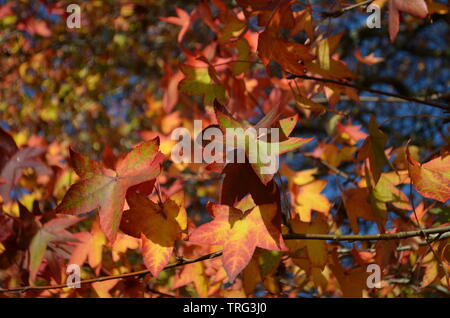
x: 371, y: 90
x: 368, y: 237
x: 321, y: 100
x: 436, y: 256
x: 295, y: 236
x: 337, y: 13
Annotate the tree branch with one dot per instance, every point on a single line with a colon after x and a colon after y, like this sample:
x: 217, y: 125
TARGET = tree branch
x: 294, y: 236
x: 371, y: 90
x: 339, y: 12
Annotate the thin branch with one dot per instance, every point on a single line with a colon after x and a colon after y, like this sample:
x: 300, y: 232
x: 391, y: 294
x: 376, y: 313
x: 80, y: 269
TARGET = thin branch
x: 369, y: 237
x: 436, y: 256
x: 339, y: 12
x: 321, y: 100
x: 371, y: 90
x: 295, y: 236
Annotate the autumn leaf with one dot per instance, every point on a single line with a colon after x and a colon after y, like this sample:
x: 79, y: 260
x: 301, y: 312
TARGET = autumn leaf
x: 369, y: 59
x: 416, y: 8
x: 332, y: 154
x: 52, y: 231
x: 270, y: 148
x: 386, y: 189
x: 316, y: 250
x: 373, y: 149
x: 183, y: 19
x: 352, y: 282
x: 193, y: 273
x: 240, y: 232
x: 8, y: 147
x: 358, y: 205
x: 90, y: 247
x: 234, y: 190
x: 12, y: 171
x: 308, y: 198
x: 158, y: 226
x: 105, y: 189
x: 198, y: 81
x: 287, y: 54
x: 431, y: 179
x: 349, y: 133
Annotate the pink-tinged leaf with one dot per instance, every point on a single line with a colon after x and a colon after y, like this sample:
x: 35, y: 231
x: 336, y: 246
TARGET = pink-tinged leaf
x: 8, y: 148
x: 90, y: 247
x: 105, y: 189
x: 240, y: 230
x: 183, y: 19
x: 416, y: 8
x: 52, y: 231
x: 263, y: 160
x: 12, y: 171
x: 394, y: 21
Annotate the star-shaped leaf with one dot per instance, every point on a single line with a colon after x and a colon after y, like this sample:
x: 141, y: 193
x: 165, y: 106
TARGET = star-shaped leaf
x: 52, y: 231
x: 261, y: 149
x: 105, y: 189
x: 431, y: 179
x: 158, y: 226
x: 309, y: 197
x: 12, y: 170
x: 240, y: 230
x: 198, y: 81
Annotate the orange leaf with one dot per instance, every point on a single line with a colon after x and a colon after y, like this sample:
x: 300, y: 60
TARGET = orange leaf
x: 240, y: 230
x: 158, y: 226
x: 431, y: 179
x: 309, y: 198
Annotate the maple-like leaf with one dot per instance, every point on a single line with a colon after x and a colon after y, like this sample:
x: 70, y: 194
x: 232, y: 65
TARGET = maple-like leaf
x: 272, y: 149
x: 193, y: 273
x: 234, y: 190
x: 431, y: 179
x: 351, y: 281
x: 373, y: 149
x: 416, y: 8
x: 358, y: 205
x: 369, y: 59
x: 240, y: 230
x: 316, y: 250
x: 349, y: 133
x: 90, y: 247
x: 198, y: 81
x: 308, y: 197
x: 386, y: 190
x: 12, y: 171
x: 158, y: 226
x: 105, y: 189
x: 286, y: 53
x: 332, y: 154
x: 122, y: 243
x: 183, y: 19
x: 52, y: 231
